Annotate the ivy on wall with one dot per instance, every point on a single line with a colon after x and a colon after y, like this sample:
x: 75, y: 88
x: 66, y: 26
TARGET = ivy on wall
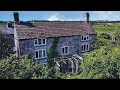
x: 53, y: 51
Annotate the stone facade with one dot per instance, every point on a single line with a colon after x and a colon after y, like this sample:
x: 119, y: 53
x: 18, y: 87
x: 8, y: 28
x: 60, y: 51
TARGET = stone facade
x: 74, y: 42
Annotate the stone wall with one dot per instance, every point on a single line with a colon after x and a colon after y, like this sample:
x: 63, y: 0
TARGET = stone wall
x: 74, y: 42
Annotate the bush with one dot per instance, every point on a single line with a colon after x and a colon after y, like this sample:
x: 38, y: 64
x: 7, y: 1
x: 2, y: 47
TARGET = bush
x: 103, y: 63
x: 105, y: 36
x: 10, y: 69
x: 99, y: 42
x: 4, y: 46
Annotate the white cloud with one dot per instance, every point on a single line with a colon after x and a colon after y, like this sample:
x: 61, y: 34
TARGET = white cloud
x: 104, y: 14
x: 54, y: 17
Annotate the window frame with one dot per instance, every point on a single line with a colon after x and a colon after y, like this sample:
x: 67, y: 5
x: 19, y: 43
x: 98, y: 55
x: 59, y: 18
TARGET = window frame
x: 38, y: 42
x: 84, y: 36
x: 64, y: 50
x: 42, y: 54
x: 86, y: 49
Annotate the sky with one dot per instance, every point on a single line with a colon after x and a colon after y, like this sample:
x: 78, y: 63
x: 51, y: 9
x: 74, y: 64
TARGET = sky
x: 60, y: 15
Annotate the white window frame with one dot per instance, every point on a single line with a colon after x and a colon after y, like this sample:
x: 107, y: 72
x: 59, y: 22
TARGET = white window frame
x: 85, y: 48
x: 38, y: 42
x: 42, y: 54
x: 64, y: 50
x: 84, y: 36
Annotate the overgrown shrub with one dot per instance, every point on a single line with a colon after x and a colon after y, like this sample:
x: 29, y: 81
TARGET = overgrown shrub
x: 10, y: 69
x: 99, y: 42
x: 103, y: 63
x: 105, y: 36
x: 5, y: 49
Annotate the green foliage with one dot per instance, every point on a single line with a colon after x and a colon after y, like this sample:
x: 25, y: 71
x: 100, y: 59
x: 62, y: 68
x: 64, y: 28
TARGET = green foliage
x: 117, y: 36
x: 53, y: 52
x: 4, y: 47
x: 98, y: 42
x: 103, y: 63
x: 10, y: 69
x: 109, y: 28
x: 105, y: 36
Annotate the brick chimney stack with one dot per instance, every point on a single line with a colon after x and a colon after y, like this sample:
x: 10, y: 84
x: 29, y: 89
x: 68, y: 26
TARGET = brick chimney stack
x: 87, y: 15
x: 16, y: 16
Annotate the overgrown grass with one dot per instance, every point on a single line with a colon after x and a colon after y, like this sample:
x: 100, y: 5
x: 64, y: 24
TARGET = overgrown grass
x: 109, y: 28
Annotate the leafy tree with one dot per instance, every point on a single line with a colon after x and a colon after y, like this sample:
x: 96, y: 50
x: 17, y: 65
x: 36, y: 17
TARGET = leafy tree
x: 103, y: 63
x: 98, y: 42
x: 4, y: 46
x: 10, y: 69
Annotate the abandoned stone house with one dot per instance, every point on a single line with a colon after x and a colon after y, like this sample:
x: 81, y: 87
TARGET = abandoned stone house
x: 36, y: 38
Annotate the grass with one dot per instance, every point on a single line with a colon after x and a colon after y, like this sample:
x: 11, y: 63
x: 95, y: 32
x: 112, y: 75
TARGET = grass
x: 109, y: 28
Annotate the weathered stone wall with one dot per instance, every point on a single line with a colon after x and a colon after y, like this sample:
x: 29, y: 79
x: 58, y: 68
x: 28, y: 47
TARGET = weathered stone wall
x: 74, y: 42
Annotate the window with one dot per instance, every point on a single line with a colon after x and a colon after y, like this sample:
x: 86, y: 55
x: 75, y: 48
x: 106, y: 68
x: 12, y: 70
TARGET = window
x: 41, y: 41
x: 85, y: 37
x: 36, y: 54
x: 85, y: 47
x: 40, y: 54
x: 35, y: 41
x: 65, y: 50
x: 44, y: 41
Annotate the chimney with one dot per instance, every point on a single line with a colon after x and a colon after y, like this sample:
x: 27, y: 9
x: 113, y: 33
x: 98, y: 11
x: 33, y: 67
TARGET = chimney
x: 16, y: 16
x: 9, y: 25
x: 87, y: 15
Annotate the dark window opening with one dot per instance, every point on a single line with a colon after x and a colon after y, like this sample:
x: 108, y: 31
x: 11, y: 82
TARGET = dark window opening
x: 39, y: 41
x: 43, y: 41
x: 35, y: 41
x: 36, y: 54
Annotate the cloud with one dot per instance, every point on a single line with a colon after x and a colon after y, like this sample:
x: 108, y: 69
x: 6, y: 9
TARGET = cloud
x: 54, y: 17
x: 104, y: 14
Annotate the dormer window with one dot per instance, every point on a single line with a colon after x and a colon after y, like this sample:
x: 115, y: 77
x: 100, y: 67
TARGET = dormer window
x: 41, y: 41
x: 84, y: 37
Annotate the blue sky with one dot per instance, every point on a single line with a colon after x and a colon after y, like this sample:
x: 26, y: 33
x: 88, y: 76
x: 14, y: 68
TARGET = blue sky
x: 60, y: 15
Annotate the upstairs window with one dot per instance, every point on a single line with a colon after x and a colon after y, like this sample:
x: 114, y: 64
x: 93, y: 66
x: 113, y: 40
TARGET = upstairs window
x: 65, y: 50
x: 41, y: 41
x: 85, y: 38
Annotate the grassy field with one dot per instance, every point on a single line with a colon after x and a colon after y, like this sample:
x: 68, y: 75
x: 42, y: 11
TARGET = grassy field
x: 109, y: 28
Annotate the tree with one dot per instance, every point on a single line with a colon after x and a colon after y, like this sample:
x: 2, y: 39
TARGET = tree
x: 103, y: 63
x: 10, y: 69
x: 4, y: 47
x: 98, y: 42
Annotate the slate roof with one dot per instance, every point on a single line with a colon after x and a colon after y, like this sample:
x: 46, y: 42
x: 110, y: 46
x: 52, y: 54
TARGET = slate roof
x: 53, y: 29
